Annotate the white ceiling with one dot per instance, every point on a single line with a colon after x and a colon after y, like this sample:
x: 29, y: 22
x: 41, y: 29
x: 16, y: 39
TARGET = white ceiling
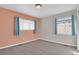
x: 46, y: 10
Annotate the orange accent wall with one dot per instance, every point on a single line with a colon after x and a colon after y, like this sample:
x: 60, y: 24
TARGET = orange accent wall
x: 7, y: 28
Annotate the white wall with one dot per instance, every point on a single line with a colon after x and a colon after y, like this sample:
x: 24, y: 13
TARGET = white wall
x: 47, y: 31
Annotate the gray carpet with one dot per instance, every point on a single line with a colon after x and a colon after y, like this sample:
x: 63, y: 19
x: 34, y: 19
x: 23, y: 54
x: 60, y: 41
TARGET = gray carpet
x: 39, y: 47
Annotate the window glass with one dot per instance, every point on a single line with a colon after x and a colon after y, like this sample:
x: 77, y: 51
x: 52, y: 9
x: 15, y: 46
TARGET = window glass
x: 26, y: 24
x: 64, y: 25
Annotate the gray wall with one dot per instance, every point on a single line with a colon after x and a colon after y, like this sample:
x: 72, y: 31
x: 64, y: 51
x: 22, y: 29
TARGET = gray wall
x: 78, y: 32
x: 47, y: 30
x: 78, y: 29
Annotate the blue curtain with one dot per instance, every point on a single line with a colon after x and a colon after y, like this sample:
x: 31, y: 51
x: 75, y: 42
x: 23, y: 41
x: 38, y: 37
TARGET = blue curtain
x: 17, y: 26
x: 35, y: 25
x: 73, y: 25
x: 55, y: 26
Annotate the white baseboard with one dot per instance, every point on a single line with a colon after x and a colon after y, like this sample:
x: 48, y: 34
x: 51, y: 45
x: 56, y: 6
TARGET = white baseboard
x: 17, y: 44
x: 31, y: 41
x: 58, y: 42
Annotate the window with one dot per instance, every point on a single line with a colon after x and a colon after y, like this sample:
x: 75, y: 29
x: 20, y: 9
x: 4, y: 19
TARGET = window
x: 66, y: 25
x: 26, y: 24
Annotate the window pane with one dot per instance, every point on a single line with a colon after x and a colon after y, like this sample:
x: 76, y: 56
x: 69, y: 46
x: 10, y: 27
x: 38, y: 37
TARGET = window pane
x: 21, y: 24
x: 68, y: 28
x: 26, y: 24
x: 64, y: 26
x: 31, y: 25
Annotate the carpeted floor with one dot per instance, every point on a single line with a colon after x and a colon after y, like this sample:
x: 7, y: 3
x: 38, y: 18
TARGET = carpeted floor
x: 39, y: 47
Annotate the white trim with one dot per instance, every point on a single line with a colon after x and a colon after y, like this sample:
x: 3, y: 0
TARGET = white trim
x: 58, y: 42
x: 17, y: 44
